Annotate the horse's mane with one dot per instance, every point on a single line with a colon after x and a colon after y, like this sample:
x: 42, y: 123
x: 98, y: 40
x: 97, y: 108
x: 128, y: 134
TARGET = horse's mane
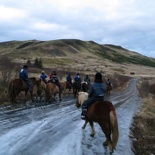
x: 82, y: 96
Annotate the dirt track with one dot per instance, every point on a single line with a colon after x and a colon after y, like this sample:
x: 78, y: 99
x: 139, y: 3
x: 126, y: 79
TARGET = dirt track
x: 56, y: 129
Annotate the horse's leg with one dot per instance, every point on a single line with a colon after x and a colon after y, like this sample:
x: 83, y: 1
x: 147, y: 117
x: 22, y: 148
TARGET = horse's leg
x: 106, y: 129
x: 84, y: 125
x: 92, y: 128
x: 31, y: 93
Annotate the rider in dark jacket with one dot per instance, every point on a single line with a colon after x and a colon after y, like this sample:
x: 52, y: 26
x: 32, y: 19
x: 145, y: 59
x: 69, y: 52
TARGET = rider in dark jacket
x: 55, y: 80
x: 77, y: 78
x: 96, y: 93
x: 69, y: 79
x: 23, y: 74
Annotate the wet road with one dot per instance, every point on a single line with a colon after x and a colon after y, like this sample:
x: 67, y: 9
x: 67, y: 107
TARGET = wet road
x: 56, y: 129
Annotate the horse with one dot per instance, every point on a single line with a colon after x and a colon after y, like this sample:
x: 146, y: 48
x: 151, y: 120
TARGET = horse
x: 18, y: 85
x: 108, y: 89
x: 41, y: 89
x: 63, y: 87
x: 85, y: 86
x: 51, y: 91
x: 69, y: 86
x: 76, y: 88
x: 102, y: 112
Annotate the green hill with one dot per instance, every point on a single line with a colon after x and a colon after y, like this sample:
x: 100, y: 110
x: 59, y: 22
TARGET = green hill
x: 70, y: 52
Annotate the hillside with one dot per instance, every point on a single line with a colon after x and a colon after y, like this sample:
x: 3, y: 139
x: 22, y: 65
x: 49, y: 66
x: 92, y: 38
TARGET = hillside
x: 77, y: 55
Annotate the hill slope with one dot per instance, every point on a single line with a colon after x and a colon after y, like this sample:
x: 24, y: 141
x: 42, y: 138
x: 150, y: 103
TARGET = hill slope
x: 73, y: 53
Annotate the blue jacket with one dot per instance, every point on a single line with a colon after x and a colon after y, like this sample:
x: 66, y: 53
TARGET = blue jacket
x: 77, y: 78
x: 68, y: 78
x: 23, y: 74
x: 43, y: 76
x: 97, y: 89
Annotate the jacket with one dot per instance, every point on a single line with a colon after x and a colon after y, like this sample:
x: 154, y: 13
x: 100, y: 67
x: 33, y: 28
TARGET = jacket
x: 97, y: 89
x: 23, y: 74
x: 43, y: 76
x: 77, y: 78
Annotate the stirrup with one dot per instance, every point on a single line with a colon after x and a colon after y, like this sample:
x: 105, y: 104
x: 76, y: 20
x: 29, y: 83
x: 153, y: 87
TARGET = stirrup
x: 83, y: 117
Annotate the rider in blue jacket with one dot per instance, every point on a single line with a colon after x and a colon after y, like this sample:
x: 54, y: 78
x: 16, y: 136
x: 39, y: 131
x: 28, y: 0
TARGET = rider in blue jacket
x: 43, y: 76
x: 69, y: 79
x: 96, y: 93
x: 23, y: 74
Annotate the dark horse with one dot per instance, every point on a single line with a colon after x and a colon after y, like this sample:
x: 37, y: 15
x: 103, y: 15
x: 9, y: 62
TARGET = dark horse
x: 102, y: 112
x: 76, y: 88
x: 18, y: 85
x: 85, y: 87
x: 69, y: 86
x: 108, y: 90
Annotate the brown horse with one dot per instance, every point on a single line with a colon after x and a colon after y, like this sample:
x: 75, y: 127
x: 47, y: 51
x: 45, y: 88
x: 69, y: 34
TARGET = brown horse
x: 102, y: 112
x: 18, y: 85
x: 76, y: 88
x: 41, y: 89
x: 51, y: 91
x: 108, y: 89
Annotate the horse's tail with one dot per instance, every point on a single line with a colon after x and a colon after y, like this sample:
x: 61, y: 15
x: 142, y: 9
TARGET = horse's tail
x: 114, y: 128
x: 10, y: 90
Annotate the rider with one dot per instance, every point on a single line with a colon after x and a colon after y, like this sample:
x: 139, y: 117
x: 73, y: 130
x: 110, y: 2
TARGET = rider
x: 108, y: 82
x: 50, y: 76
x: 78, y: 79
x: 96, y: 93
x: 23, y: 74
x: 43, y: 76
x: 55, y: 80
x: 87, y: 79
x: 69, y: 79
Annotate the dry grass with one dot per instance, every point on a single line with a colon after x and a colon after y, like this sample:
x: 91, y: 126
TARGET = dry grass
x: 144, y: 123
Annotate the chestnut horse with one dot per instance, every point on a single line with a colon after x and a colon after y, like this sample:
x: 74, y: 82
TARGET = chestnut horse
x: 76, y: 88
x: 102, y: 112
x: 41, y: 89
x: 51, y: 91
x: 18, y: 85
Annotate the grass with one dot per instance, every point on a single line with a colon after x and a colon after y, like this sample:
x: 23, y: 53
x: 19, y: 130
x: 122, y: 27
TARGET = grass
x: 144, y: 123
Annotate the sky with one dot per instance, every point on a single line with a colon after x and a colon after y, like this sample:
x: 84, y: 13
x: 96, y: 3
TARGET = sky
x: 127, y: 23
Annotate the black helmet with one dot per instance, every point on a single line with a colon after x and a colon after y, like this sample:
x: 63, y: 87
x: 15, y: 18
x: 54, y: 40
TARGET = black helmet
x: 98, y: 76
x: 25, y: 66
x: 54, y: 73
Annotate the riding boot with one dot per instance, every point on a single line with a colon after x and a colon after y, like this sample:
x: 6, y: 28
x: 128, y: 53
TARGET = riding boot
x: 83, y: 114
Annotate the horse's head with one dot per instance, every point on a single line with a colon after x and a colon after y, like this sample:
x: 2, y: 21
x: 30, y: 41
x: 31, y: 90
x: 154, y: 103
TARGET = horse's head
x: 82, y: 96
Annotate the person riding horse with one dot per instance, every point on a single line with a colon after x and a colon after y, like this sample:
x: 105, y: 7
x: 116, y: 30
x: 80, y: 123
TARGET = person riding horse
x: 43, y: 77
x: 55, y: 80
x: 108, y: 82
x: 69, y: 79
x: 87, y: 79
x: 96, y: 93
x: 23, y: 74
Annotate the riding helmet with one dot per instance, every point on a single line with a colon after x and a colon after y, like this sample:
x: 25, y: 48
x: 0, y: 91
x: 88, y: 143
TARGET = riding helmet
x: 42, y: 72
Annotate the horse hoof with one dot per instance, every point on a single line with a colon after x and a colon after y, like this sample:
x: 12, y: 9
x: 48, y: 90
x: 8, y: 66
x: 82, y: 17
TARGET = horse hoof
x: 92, y: 135
x: 105, y: 143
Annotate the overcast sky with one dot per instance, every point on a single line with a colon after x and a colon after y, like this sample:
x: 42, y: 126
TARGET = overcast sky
x: 128, y: 23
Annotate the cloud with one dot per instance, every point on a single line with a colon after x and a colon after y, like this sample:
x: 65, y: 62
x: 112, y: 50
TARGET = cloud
x: 126, y: 23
